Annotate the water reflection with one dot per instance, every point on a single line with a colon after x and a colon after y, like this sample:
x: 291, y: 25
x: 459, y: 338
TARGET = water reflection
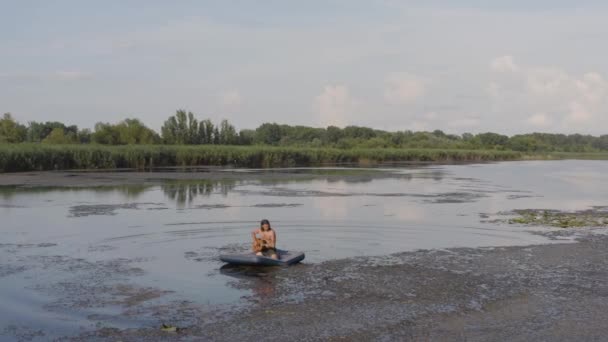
x: 259, y: 279
x: 185, y: 192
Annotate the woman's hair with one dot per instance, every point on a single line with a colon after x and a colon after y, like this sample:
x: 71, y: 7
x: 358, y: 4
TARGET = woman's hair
x: 265, y: 221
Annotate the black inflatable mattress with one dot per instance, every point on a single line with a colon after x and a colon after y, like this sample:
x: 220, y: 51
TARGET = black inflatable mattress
x: 286, y: 258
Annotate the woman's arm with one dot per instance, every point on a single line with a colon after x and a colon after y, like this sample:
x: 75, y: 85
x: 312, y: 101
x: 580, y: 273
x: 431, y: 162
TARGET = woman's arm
x: 254, y: 234
x: 274, y: 239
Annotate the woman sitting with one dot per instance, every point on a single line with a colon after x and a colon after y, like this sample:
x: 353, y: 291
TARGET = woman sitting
x: 265, y: 244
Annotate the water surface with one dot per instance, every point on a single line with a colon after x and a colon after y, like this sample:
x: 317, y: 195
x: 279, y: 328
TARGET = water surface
x: 168, y: 236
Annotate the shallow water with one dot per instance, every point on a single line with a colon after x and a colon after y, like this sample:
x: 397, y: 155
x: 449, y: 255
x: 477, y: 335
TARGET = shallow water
x: 169, y: 236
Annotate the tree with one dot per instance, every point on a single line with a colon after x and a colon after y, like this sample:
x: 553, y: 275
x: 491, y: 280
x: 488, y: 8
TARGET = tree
x: 181, y: 129
x: 268, y: 133
x: 492, y: 140
x: 84, y: 136
x: 227, y: 133
x: 10, y: 130
x: 105, y: 134
x: 246, y: 137
x: 205, y: 131
x: 192, y: 137
x: 334, y: 134
x: 59, y: 136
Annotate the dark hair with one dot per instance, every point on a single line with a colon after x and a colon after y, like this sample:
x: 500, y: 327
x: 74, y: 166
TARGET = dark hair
x: 265, y: 221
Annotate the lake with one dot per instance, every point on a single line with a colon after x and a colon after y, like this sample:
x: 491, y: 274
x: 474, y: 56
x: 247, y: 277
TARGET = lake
x: 62, y: 247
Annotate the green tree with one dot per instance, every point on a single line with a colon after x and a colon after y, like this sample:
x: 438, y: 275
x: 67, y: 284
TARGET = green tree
x: 227, y: 133
x: 59, y: 136
x: 268, y: 134
x: 182, y: 128
x: 105, y: 134
x: 84, y: 136
x: 205, y: 131
x: 246, y: 137
x: 10, y: 130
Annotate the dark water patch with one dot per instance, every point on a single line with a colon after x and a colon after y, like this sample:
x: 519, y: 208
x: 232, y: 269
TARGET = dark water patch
x: 11, y: 206
x: 211, y: 254
x: 22, y: 333
x: 276, y: 205
x: 261, y: 205
x: 8, y: 269
x: 104, y: 209
x: 126, y: 237
x: 208, y: 222
x: 454, y: 197
x: 99, y: 209
x: 212, y: 206
x: 515, y: 197
x: 101, y: 248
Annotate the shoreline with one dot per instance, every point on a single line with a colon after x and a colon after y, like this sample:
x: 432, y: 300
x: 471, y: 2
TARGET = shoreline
x: 541, y: 292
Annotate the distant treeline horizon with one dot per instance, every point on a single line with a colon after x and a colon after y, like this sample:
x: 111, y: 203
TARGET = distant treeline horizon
x: 184, y: 128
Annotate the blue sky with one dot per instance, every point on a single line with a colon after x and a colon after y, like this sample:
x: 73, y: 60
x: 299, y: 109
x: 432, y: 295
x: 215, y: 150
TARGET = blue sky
x: 459, y: 66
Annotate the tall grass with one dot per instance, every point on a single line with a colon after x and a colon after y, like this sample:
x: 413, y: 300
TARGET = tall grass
x: 31, y: 157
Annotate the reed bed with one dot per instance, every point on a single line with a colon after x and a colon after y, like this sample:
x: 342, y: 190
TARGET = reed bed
x: 39, y: 157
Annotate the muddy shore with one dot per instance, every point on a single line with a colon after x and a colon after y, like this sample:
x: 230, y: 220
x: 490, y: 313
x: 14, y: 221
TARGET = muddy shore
x: 535, y: 293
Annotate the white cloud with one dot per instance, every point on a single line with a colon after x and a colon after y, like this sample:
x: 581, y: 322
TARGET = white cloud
x: 504, y: 64
x: 61, y: 76
x: 335, y: 105
x: 403, y: 88
x: 466, y: 122
x: 70, y: 75
x: 546, y: 81
x: 419, y: 126
x: 560, y: 100
x: 578, y: 113
x: 493, y: 89
x: 538, y: 120
x: 230, y: 99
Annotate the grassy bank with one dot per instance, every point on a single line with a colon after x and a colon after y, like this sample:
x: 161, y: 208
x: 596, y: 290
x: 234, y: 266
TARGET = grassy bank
x: 30, y: 157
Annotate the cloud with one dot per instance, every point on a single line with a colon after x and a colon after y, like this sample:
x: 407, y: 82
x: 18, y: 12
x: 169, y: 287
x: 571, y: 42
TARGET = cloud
x: 70, y: 76
x: 577, y: 113
x: 403, y: 88
x: 539, y: 120
x: 54, y: 76
x: 466, y: 122
x: 230, y: 99
x: 546, y: 81
x: 504, y: 64
x: 335, y: 105
x: 548, y: 96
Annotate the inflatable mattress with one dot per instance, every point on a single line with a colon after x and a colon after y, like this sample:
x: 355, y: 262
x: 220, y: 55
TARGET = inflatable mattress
x: 286, y: 258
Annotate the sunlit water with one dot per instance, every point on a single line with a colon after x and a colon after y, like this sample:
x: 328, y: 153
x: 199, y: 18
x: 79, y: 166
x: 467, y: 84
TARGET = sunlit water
x: 175, y: 231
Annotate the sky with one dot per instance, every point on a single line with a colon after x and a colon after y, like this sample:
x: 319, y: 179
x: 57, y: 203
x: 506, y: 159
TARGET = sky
x: 460, y: 66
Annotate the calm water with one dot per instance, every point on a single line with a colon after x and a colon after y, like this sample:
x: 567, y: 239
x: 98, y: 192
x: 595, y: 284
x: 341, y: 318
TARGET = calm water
x: 175, y: 231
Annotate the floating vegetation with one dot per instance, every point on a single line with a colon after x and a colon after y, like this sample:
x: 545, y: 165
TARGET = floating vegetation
x: 594, y: 217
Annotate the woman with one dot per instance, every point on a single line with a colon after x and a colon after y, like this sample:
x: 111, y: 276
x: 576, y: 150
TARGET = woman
x: 268, y: 239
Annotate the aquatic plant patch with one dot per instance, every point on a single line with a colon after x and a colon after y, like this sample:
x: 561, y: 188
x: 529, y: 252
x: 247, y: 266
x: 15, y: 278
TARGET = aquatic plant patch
x: 595, y: 217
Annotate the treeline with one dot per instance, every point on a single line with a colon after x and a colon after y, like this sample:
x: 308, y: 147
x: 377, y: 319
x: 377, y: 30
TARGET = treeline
x: 184, y: 128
